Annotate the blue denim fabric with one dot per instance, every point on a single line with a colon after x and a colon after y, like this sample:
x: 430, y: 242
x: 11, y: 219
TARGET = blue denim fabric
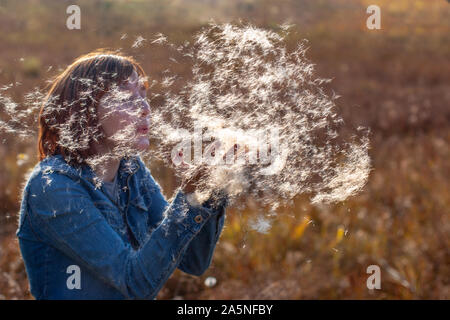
x: 125, y: 248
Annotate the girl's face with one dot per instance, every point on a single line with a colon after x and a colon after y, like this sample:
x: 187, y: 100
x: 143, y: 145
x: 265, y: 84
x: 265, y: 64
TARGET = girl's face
x: 123, y: 114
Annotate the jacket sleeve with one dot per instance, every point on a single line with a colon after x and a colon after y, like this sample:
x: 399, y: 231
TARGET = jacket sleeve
x: 197, y: 258
x: 68, y: 220
x: 199, y: 252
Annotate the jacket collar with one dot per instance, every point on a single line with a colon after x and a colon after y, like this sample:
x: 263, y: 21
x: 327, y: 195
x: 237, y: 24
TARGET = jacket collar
x: 128, y: 166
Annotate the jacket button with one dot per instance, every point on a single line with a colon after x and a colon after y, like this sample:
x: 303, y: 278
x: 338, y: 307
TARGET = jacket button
x: 198, y: 219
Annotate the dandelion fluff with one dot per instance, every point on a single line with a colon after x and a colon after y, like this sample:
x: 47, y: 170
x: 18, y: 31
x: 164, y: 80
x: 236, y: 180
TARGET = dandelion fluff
x: 245, y: 83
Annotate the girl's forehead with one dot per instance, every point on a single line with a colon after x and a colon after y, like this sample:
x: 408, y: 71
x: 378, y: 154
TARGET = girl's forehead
x: 132, y: 82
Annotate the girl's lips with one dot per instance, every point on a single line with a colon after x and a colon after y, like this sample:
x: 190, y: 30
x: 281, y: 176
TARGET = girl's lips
x: 143, y: 130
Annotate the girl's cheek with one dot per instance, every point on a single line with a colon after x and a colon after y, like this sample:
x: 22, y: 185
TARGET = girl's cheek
x: 119, y: 116
x: 112, y: 123
x: 119, y: 120
x: 109, y: 128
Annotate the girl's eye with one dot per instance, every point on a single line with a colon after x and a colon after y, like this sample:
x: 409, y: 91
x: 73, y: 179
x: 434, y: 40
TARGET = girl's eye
x: 137, y: 102
x: 129, y: 98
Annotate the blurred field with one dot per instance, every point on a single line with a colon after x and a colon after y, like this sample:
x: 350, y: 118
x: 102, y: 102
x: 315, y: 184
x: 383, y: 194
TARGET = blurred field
x: 395, y: 80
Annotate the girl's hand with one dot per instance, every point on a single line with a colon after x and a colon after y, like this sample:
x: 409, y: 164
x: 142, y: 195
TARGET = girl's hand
x: 190, y: 184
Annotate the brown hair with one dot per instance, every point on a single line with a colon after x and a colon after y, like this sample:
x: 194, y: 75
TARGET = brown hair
x: 68, y: 117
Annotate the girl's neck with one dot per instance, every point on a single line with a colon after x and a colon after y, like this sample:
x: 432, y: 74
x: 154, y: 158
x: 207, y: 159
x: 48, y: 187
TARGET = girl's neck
x: 107, y: 169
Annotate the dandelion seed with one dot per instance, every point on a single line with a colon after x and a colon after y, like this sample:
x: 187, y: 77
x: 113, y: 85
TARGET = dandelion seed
x: 210, y: 282
x: 159, y: 39
x: 261, y: 225
x: 138, y: 42
x: 167, y: 81
x: 6, y: 87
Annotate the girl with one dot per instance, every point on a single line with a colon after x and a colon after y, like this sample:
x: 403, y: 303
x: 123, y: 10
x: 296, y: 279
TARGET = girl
x: 93, y: 221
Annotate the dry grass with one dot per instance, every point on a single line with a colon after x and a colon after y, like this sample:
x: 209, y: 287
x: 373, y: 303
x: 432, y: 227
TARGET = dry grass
x: 393, y: 80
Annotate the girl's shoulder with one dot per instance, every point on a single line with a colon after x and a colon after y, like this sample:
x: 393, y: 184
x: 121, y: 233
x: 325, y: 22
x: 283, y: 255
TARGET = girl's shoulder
x: 56, y: 163
x: 51, y: 169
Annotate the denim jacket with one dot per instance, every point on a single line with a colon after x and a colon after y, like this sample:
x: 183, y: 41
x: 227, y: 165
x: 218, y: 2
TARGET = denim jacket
x: 77, y: 243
